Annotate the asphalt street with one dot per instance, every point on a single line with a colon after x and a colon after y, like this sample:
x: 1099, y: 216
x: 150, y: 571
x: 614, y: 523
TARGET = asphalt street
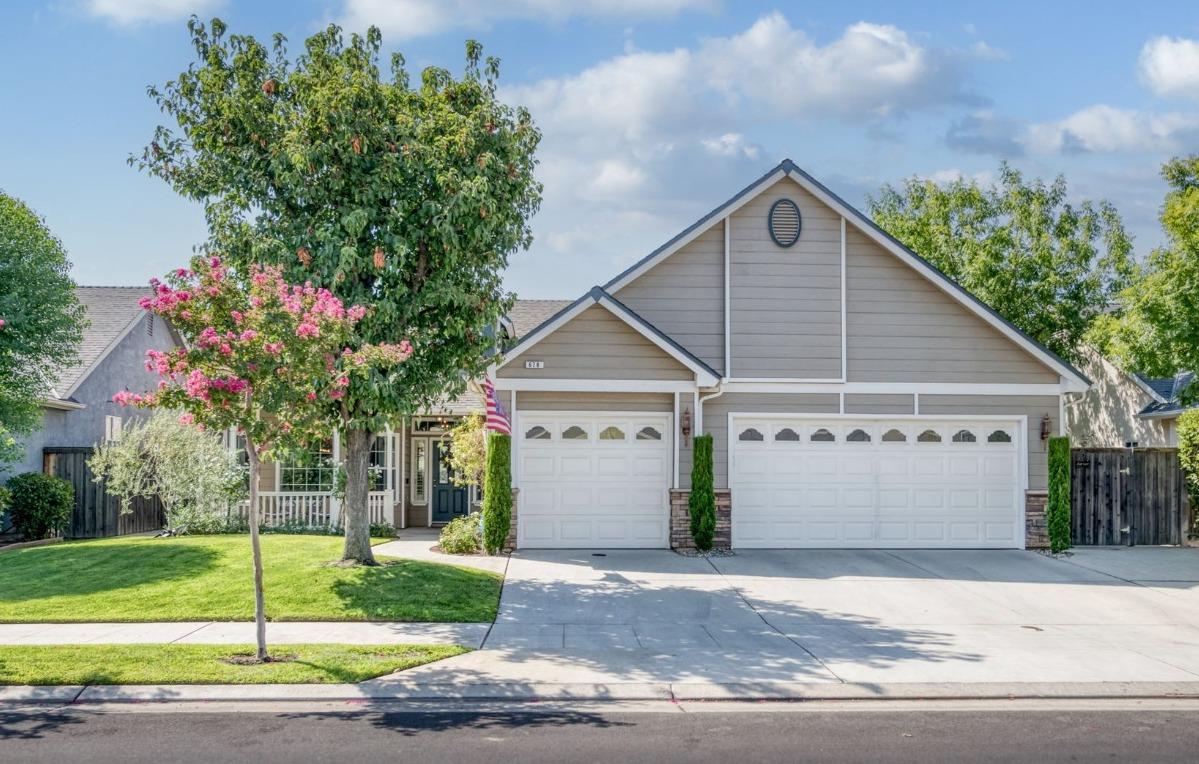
x: 877, y: 732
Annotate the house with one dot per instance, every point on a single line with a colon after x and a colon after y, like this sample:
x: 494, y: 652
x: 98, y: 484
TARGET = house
x: 78, y: 411
x: 856, y: 396
x: 1124, y: 410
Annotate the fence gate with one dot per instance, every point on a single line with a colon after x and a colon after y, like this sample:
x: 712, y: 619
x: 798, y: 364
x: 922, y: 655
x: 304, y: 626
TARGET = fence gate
x: 96, y: 514
x: 1127, y: 496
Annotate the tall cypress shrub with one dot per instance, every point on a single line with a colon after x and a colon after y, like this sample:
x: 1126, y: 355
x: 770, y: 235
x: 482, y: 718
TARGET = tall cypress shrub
x: 1188, y: 455
x: 497, y: 492
x: 702, y: 501
x: 1057, y: 512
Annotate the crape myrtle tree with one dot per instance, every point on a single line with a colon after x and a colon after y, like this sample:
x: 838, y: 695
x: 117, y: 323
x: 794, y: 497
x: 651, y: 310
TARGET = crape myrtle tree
x: 1046, y: 265
x: 404, y: 197
x: 262, y: 356
x: 41, y: 321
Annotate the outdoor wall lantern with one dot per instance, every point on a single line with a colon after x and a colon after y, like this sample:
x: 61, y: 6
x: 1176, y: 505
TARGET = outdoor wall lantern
x: 1046, y: 423
x: 685, y: 424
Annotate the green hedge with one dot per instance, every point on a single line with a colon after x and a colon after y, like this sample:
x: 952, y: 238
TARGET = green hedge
x: 702, y: 501
x: 1057, y: 512
x: 40, y: 505
x: 497, y: 492
x: 1188, y: 455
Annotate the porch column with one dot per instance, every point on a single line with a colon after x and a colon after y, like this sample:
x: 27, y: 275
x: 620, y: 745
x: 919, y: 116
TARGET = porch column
x: 334, y: 502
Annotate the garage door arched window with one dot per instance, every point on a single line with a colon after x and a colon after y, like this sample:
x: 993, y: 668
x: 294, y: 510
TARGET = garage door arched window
x: 751, y: 434
x: 787, y: 435
x: 894, y: 436
x: 929, y: 436
x: 858, y: 436
x: 648, y: 433
x: 822, y: 436
x: 611, y: 432
x: 574, y: 432
x: 964, y: 436
x: 999, y: 436
x: 537, y: 433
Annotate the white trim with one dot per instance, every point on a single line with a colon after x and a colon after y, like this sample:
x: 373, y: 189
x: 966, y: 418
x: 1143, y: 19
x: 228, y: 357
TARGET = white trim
x: 675, y: 450
x: 703, y: 376
x: 1144, y: 386
x: 1173, y: 414
x: 916, y: 404
x: 1075, y: 382
x: 725, y: 210
x: 844, y: 318
x: 841, y: 402
x: 514, y: 445
x: 402, y: 488
x: 1022, y: 431
x: 728, y: 307
x: 412, y: 498
x: 786, y: 380
x: 596, y: 385
x: 60, y: 405
x: 896, y: 388
x: 697, y: 417
x: 83, y: 375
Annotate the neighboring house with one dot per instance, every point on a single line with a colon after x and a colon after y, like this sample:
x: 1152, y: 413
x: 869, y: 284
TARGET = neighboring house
x: 1123, y: 410
x: 78, y: 410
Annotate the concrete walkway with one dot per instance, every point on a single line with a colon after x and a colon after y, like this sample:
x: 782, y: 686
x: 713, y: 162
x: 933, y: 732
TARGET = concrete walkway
x: 242, y: 632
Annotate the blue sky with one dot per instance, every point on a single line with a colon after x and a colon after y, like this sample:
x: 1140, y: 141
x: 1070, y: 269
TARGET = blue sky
x: 654, y: 111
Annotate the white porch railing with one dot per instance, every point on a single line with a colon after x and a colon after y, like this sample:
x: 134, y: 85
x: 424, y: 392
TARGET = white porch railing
x: 313, y: 508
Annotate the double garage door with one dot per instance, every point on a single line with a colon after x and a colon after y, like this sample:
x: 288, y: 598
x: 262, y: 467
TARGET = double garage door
x: 593, y: 480
x: 841, y: 482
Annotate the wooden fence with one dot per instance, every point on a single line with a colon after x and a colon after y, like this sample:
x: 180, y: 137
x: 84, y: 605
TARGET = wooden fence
x: 97, y: 514
x: 1127, y: 496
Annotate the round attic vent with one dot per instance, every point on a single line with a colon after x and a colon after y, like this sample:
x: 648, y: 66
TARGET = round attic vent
x: 784, y: 222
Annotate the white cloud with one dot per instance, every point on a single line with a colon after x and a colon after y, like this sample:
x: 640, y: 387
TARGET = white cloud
x: 953, y: 174
x: 127, y: 12
x: 416, y: 18
x: 1107, y: 129
x: 1170, y: 65
x: 731, y: 145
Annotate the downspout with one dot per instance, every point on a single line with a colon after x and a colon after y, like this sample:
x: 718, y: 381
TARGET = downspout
x: 699, y: 409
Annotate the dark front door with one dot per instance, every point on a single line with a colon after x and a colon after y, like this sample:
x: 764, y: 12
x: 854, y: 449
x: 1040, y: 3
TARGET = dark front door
x: 449, y: 500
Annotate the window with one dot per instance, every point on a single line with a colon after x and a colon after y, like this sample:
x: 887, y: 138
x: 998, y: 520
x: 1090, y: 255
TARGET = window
x: 858, y: 436
x: 611, y: 433
x: 964, y: 436
x: 999, y: 436
x: 929, y: 436
x: 312, y: 470
x: 420, y: 451
x: 648, y: 433
x: 112, y: 429
x: 377, y: 468
x: 787, y: 434
x: 822, y: 436
x: 894, y: 436
x: 750, y: 434
x: 537, y: 433
x: 574, y: 432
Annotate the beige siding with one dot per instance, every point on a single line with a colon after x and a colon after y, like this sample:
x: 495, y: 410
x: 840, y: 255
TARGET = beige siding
x: 684, y: 296
x: 786, y: 303
x: 1106, y: 415
x: 857, y: 403
x: 902, y: 328
x: 1035, y: 407
x: 546, y: 401
x: 686, y: 445
x: 597, y: 345
x: 716, y: 417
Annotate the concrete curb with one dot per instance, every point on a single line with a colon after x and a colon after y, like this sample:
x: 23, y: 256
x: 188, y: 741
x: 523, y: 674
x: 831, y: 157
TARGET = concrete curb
x: 374, y: 691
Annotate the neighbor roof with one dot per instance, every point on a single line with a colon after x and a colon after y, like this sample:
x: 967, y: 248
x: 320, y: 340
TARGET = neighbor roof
x: 527, y: 315
x: 1169, y: 391
x: 111, y: 312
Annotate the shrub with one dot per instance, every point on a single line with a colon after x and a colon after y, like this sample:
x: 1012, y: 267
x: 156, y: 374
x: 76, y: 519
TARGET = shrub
x: 461, y: 536
x: 702, y: 502
x: 1188, y: 455
x: 497, y: 492
x: 468, y: 450
x: 40, y: 505
x: 1057, y: 511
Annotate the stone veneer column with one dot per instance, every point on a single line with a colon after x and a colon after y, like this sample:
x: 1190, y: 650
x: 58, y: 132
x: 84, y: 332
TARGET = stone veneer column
x: 510, y: 542
x: 680, y: 520
x: 1036, y: 529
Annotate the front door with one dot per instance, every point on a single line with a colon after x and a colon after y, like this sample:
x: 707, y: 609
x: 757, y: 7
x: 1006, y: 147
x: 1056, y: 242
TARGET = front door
x: 449, y: 500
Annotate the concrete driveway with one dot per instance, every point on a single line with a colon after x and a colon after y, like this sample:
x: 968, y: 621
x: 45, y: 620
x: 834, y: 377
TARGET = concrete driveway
x: 836, y: 616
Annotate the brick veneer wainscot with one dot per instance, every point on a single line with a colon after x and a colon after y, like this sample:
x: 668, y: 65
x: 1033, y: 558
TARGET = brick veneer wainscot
x: 510, y: 542
x: 1036, y: 528
x: 680, y: 520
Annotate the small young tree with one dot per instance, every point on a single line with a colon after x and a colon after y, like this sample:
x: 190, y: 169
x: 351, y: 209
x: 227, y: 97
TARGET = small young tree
x: 190, y: 471
x: 702, y: 501
x: 468, y: 450
x: 497, y: 492
x: 41, y: 321
x: 262, y: 356
x: 1057, y: 511
x: 1188, y: 455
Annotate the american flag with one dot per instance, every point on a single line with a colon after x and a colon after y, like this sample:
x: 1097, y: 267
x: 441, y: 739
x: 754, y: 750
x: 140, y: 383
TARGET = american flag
x: 497, y: 418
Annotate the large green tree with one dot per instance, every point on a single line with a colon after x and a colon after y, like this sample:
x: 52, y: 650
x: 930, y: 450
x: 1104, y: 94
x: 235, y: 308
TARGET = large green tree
x: 41, y: 321
x: 1049, y: 266
x: 406, y: 198
x: 1157, y: 330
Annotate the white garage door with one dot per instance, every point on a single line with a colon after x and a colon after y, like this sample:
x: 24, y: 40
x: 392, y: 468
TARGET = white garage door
x: 594, y: 479
x: 849, y: 482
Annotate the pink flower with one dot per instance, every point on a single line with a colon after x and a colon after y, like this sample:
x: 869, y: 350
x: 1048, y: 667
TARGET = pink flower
x: 237, y: 316
x: 248, y: 335
x: 311, y: 396
x: 274, y: 348
x: 342, y: 381
x: 186, y: 419
x: 123, y: 398
x: 214, y: 262
x: 307, y: 329
x: 181, y: 273
x: 226, y: 349
x: 1, y: 323
x: 356, y: 313
x: 337, y: 393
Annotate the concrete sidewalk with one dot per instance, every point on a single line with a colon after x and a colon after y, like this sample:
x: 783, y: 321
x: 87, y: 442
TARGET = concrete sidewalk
x: 242, y: 632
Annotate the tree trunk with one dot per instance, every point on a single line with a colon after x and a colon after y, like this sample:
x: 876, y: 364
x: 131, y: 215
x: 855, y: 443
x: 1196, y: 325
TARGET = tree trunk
x: 355, y: 513
x: 259, y: 605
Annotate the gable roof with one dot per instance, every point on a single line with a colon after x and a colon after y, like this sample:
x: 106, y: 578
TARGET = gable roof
x: 527, y: 315
x: 788, y: 169
x: 705, y: 374
x: 1167, y: 393
x: 111, y: 313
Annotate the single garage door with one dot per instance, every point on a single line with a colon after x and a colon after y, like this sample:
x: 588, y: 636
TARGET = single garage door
x: 846, y: 482
x: 594, y: 480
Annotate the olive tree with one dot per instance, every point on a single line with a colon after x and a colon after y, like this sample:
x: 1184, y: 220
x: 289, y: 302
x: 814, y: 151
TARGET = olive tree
x: 405, y: 197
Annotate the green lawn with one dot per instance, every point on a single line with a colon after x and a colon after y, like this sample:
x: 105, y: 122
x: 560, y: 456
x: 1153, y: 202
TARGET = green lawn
x: 208, y: 664
x: 209, y: 578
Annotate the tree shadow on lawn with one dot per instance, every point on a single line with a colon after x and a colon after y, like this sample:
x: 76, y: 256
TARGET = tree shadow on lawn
x: 416, y: 591
x: 84, y: 568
